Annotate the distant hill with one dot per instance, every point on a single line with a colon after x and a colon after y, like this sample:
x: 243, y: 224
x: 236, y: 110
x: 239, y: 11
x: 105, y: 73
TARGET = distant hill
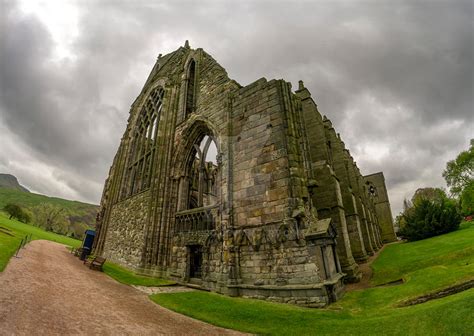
x: 29, y: 200
x: 77, y: 212
x: 11, y: 182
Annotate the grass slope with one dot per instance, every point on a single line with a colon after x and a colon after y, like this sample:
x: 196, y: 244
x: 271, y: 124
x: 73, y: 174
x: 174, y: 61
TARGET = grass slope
x: 15, y: 231
x: 129, y: 278
x: 426, y: 266
x: 29, y: 200
x: 442, y: 252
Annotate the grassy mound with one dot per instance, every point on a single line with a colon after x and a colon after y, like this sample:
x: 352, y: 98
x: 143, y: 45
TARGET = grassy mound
x: 426, y: 266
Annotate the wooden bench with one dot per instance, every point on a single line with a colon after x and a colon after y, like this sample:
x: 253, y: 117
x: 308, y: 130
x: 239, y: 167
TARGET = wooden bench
x: 95, y: 263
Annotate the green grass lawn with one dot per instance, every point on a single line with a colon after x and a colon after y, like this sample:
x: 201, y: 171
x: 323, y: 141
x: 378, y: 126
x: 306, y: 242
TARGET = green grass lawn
x: 426, y: 266
x: 18, y: 230
x: 448, y: 251
x: 129, y: 278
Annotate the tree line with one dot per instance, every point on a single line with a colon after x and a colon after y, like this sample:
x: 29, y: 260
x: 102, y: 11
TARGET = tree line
x: 49, y: 217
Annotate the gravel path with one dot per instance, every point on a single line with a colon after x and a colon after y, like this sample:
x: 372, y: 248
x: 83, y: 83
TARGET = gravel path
x: 48, y: 291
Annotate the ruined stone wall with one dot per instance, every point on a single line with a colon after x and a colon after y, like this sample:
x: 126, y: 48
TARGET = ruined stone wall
x: 357, y: 185
x: 328, y: 195
x: 210, y: 117
x: 275, y: 262
x: 125, y: 239
x: 284, y: 174
x: 260, y: 170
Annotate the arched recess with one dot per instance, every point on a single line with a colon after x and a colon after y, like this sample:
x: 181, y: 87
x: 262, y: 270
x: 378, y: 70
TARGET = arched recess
x: 203, y: 174
x: 198, y: 169
x: 190, y: 93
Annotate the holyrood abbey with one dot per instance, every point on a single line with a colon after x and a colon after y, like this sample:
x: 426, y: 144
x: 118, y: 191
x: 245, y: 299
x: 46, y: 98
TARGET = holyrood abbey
x: 242, y: 190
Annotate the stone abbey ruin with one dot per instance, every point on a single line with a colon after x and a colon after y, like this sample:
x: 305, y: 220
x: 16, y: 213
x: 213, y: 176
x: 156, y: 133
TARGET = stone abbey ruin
x: 242, y: 190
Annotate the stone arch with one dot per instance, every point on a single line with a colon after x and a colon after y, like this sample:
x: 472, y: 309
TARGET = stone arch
x: 186, y: 156
x: 141, y: 100
x: 142, y: 142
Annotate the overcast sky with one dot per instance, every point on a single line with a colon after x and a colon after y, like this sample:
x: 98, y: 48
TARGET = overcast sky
x: 395, y: 77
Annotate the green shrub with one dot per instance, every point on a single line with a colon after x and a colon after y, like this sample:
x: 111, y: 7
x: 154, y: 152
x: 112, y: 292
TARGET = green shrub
x: 430, y: 218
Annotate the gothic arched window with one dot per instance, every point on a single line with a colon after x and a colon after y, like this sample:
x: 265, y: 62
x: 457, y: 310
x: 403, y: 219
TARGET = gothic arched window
x: 203, y: 175
x: 190, y: 88
x: 198, y: 190
x: 143, y: 146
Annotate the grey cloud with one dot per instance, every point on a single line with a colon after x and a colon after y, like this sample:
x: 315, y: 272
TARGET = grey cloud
x: 414, y: 58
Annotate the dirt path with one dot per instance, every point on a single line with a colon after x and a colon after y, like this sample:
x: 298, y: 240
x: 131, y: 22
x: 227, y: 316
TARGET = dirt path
x: 366, y: 272
x: 47, y: 291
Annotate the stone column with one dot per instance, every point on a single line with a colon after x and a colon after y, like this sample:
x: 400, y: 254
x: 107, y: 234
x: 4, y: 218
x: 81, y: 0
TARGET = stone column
x: 382, y: 206
x: 375, y: 245
x: 354, y: 228
x: 365, y: 229
x: 328, y: 201
x: 340, y: 164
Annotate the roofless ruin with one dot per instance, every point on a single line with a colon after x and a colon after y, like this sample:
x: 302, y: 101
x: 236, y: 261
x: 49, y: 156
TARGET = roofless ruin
x: 243, y: 190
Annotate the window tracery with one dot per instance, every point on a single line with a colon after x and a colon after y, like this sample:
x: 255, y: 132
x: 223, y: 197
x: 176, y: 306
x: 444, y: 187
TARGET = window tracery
x: 137, y: 175
x: 204, y: 173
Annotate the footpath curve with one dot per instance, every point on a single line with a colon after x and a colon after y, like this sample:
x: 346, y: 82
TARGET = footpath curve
x: 47, y: 291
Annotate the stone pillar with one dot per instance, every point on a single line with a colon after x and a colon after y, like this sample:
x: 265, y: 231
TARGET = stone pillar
x: 372, y: 229
x: 327, y: 197
x: 328, y: 200
x: 369, y: 247
x: 340, y: 164
x: 377, y: 229
x: 382, y: 207
x: 354, y: 228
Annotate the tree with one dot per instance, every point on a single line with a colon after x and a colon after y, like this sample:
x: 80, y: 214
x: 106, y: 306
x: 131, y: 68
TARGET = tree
x: 431, y: 194
x: 26, y: 216
x: 459, y: 173
x: 431, y: 213
x: 16, y: 211
x: 51, y: 218
x: 467, y: 200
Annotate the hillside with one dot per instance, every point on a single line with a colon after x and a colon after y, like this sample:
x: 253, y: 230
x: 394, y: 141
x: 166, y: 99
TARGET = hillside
x: 11, y: 182
x: 77, y: 211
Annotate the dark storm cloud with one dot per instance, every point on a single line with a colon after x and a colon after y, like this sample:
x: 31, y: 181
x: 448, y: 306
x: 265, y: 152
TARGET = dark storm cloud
x: 396, y: 78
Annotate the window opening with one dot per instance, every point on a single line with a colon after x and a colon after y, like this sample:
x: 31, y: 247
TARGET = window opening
x: 203, y: 177
x: 143, y: 146
x: 190, y: 89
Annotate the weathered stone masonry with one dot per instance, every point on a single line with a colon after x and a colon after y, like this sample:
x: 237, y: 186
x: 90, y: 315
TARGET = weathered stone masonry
x: 247, y: 191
